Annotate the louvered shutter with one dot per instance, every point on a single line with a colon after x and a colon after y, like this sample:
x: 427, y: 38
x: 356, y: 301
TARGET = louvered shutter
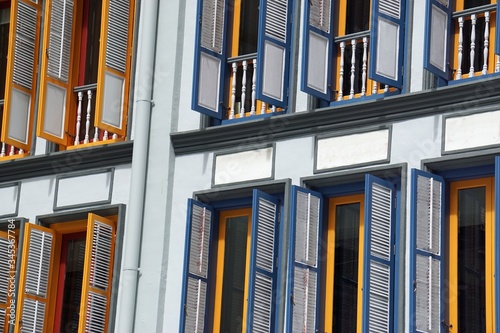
x: 303, y: 279
x: 318, y: 49
x: 210, y: 58
x: 497, y: 242
x: 437, y: 37
x: 55, y: 89
x: 387, y: 42
x: 7, y: 270
x: 21, y: 73
x: 379, y: 258
x: 265, y: 210
x: 36, y: 272
x: 113, y: 78
x: 427, y: 216
x: 273, y: 52
x: 196, y: 270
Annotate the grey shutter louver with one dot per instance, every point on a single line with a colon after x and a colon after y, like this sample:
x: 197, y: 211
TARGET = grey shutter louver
x: 95, y: 320
x: 59, y: 51
x: 117, y: 41
x: 200, y: 241
x: 212, y: 25
x: 3, y: 318
x: 5, y: 270
x: 33, y: 316
x: 25, y: 42
x: 195, y: 305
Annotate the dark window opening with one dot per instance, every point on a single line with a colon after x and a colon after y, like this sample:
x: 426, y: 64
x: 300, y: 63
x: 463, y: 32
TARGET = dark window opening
x: 357, y: 16
x: 249, y: 27
x: 91, y: 29
x: 4, y: 46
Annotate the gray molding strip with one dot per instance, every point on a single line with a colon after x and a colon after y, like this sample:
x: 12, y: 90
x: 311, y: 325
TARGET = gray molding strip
x: 458, y: 97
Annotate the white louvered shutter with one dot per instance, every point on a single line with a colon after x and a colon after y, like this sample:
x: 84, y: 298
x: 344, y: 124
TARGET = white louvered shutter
x: 262, y: 262
x: 428, y: 194
x: 97, y: 274
x: 36, y: 272
x: 210, y: 58
x: 21, y: 74
x: 304, y: 256
x: 5, y: 274
x: 198, y: 235
x: 273, y: 52
x: 437, y: 37
x: 377, y: 281
x: 387, y: 42
x: 114, y: 66
x: 57, y: 60
x: 319, y: 49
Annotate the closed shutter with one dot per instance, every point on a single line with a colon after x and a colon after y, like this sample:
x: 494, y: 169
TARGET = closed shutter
x: 57, y: 61
x: 196, y: 270
x: 113, y: 78
x: 437, y: 37
x: 36, y: 272
x: 378, y: 266
x: 21, y: 73
x: 97, y: 274
x: 265, y: 210
x: 303, y: 279
x: 427, y: 217
x: 210, y: 58
x: 318, y: 49
x: 387, y: 42
x: 273, y: 52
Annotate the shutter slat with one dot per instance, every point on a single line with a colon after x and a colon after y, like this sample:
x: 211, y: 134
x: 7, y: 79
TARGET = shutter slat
x: 265, y: 237
x: 320, y: 14
x: 212, y: 25
x: 33, y: 316
x: 4, y: 269
x: 25, y: 43
x: 276, y: 21
x: 117, y: 41
x: 59, y: 50
x: 262, y: 303
x: 390, y: 8
x: 39, y: 260
x: 200, y: 239
x: 304, y: 296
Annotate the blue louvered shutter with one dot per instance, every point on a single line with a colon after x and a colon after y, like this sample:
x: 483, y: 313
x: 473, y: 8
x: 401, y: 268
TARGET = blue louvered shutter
x: 379, y: 257
x: 303, y: 275
x: 273, y: 52
x: 265, y: 211
x: 497, y: 242
x: 210, y: 58
x: 387, y: 42
x: 318, y: 49
x: 196, y: 259
x: 427, y: 216
x: 437, y: 37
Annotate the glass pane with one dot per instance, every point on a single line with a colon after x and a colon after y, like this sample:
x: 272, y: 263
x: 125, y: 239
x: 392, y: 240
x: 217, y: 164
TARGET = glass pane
x: 233, y: 288
x: 471, y: 260
x: 358, y: 16
x: 249, y: 27
x: 346, y: 268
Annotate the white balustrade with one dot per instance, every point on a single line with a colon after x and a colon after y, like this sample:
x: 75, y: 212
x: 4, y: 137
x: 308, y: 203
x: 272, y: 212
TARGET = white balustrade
x: 472, y: 44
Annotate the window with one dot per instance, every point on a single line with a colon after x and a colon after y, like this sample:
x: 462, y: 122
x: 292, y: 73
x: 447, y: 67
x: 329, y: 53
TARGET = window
x: 242, y: 57
x: 348, y: 54
x: 230, y: 267
x: 66, y: 276
x: 352, y: 274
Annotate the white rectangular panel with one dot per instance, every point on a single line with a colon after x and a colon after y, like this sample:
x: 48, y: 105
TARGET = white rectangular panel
x: 274, y: 71
x: 439, y: 36
x: 477, y: 130
x: 9, y: 197
x: 388, y: 49
x: 55, y: 110
x: 84, y: 189
x: 20, y: 106
x: 208, y: 86
x: 317, y: 62
x: 113, y: 100
x: 244, y: 166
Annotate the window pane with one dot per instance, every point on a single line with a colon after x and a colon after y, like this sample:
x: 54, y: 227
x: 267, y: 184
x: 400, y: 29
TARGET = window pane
x: 471, y: 260
x: 358, y: 16
x: 249, y: 26
x: 233, y: 289
x: 346, y: 268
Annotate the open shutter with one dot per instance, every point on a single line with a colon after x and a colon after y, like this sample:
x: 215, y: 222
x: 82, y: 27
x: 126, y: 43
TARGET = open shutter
x: 426, y: 239
x: 497, y: 38
x: 303, y: 278
x: 196, y: 259
x: 437, y: 37
x: 378, y: 265
x: 21, y: 74
x: 387, y: 42
x: 97, y: 274
x: 113, y: 78
x: 7, y: 270
x: 55, y: 84
x: 318, y: 49
x: 497, y: 242
x: 262, y: 263
x: 273, y: 52
x: 36, y: 272
x: 210, y: 58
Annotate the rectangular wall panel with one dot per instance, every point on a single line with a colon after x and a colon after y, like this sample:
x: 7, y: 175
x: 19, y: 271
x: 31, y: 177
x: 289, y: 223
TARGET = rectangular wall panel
x: 244, y: 166
x: 471, y: 131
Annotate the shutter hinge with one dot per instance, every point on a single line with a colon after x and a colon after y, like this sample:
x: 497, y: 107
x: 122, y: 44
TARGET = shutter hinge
x: 394, y: 249
x: 448, y: 326
x: 292, y: 299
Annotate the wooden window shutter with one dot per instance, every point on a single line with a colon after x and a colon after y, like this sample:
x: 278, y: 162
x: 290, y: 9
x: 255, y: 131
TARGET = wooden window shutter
x: 56, y: 75
x: 496, y: 207
x: 21, y: 74
x: 264, y: 238
x: 36, y: 273
x: 196, y: 267
x: 6, y: 248
x: 97, y: 274
x: 113, y: 78
x: 303, y: 283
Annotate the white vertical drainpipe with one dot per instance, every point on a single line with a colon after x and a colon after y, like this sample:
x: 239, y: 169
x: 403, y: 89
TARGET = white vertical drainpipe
x: 143, y: 94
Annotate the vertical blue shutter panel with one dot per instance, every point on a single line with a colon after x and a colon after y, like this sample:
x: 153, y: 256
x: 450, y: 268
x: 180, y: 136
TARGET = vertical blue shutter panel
x: 196, y: 260
x: 497, y: 242
x: 387, y: 42
x: 426, y: 243
x: 273, y: 52
x: 497, y: 34
x: 438, y: 37
x: 265, y: 210
x: 210, y: 58
x: 303, y: 282
x: 318, y: 49
x: 379, y: 259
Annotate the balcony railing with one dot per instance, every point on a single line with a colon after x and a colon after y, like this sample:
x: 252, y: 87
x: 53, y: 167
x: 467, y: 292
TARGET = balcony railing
x: 5, y: 149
